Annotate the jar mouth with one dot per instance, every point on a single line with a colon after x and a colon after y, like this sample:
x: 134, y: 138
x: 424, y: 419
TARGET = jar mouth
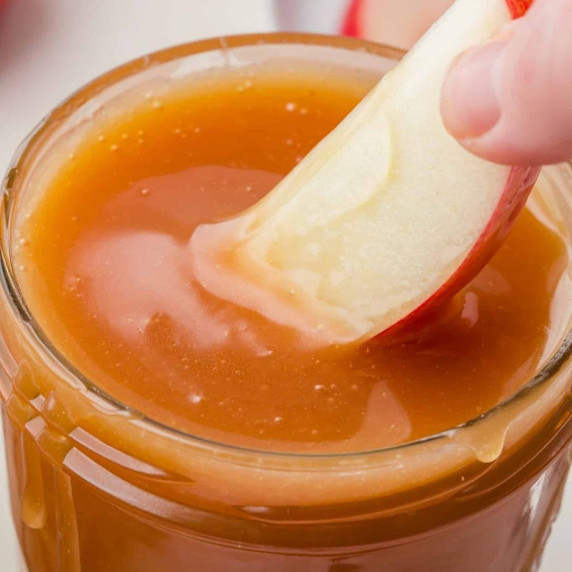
x: 35, y: 334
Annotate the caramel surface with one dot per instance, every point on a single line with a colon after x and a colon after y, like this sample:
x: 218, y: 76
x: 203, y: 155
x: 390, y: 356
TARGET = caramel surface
x: 104, y: 264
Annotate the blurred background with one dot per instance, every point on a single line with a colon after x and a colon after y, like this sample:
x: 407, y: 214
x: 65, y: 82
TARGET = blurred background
x: 49, y: 48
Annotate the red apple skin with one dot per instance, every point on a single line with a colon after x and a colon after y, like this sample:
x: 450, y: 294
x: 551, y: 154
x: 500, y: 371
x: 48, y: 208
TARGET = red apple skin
x: 517, y: 189
x: 518, y: 8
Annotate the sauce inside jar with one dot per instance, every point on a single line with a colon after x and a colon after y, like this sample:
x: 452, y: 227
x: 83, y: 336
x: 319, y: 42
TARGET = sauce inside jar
x: 105, y: 267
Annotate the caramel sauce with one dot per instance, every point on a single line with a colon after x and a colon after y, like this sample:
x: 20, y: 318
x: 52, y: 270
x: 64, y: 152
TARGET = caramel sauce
x: 105, y: 268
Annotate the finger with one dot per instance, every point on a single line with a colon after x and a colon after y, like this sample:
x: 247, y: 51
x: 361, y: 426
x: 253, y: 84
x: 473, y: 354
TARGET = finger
x: 510, y: 101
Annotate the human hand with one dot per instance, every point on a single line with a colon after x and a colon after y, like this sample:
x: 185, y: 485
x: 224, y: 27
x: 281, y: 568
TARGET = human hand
x: 510, y: 101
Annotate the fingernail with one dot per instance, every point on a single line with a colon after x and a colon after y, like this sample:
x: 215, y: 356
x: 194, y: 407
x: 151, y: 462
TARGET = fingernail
x: 471, y: 97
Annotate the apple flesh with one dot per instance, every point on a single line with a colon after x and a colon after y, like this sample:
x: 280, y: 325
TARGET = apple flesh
x: 385, y: 218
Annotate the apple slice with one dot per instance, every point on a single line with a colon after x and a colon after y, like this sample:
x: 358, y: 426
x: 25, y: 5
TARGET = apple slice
x: 386, y: 217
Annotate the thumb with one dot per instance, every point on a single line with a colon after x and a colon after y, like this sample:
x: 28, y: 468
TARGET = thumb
x: 510, y: 101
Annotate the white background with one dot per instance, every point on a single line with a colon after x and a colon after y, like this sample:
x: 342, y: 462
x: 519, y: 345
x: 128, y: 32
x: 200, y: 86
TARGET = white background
x: 48, y: 48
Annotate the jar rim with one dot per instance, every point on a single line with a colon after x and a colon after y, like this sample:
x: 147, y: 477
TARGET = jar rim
x: 9, y: 283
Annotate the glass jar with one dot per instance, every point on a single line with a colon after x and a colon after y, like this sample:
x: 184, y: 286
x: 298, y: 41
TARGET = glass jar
x: 97, y: 486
